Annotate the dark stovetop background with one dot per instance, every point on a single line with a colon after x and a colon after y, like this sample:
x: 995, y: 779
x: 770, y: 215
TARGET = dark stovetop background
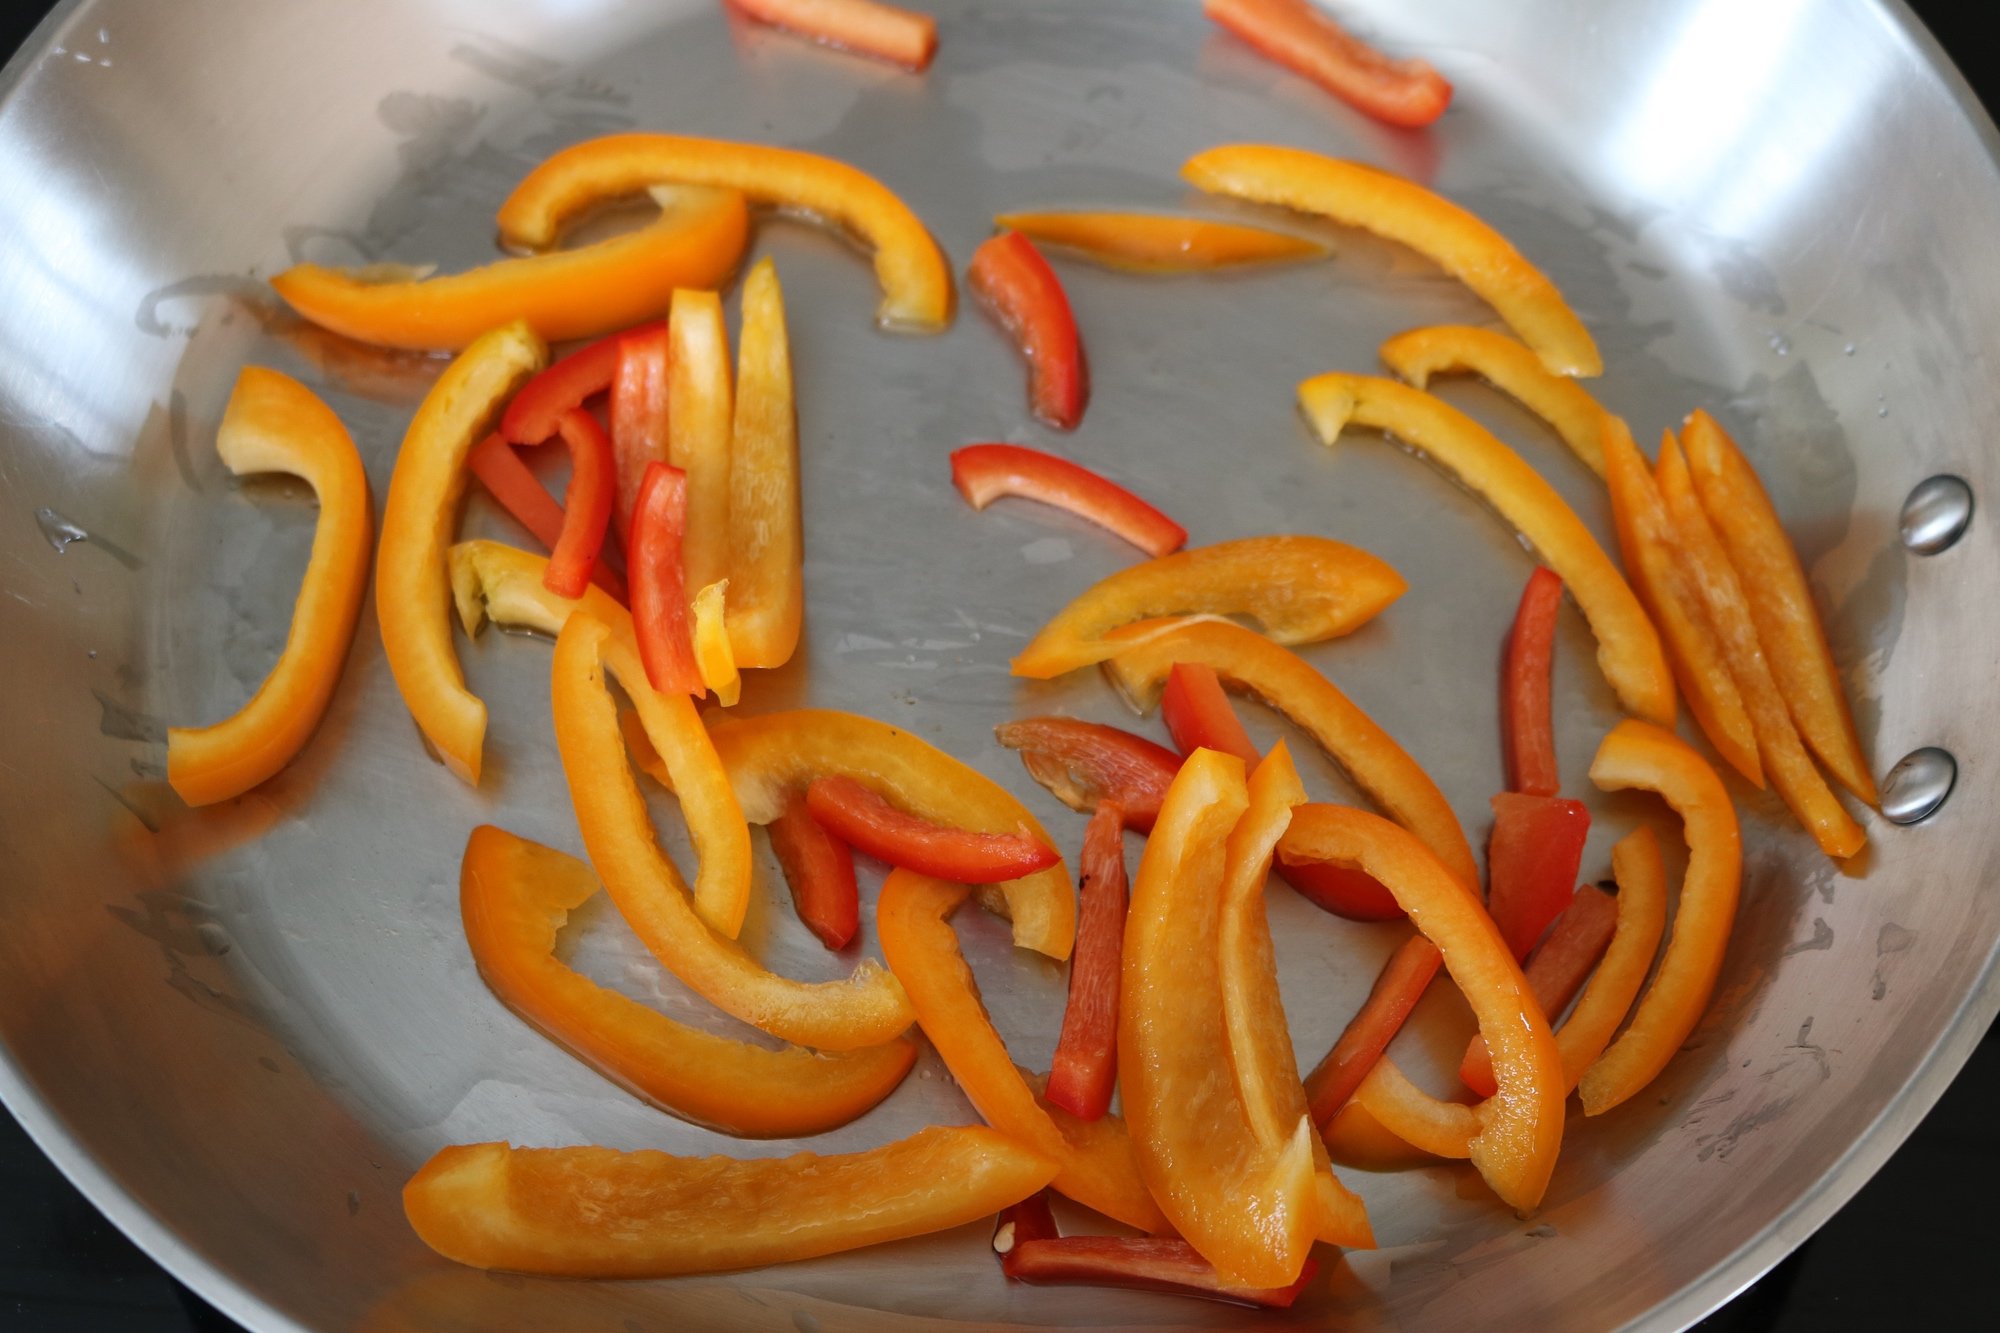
x: 1909, y: 1251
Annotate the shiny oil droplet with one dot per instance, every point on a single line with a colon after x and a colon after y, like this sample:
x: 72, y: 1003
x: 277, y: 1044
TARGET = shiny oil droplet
x: 1936, y: 514
x: 1918, y: 785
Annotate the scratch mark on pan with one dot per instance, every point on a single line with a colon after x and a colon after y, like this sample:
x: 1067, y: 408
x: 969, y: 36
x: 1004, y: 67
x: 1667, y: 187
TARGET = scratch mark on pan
x: 127, y: 724
x: 1822, y: 938
x: 152, y: 826
x: 1892, y: 938
x: 1723, y: 1144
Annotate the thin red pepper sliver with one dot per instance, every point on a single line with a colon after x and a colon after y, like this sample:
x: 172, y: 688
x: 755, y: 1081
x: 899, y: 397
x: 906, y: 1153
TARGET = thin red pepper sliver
x: 1084, y: 763
x: 819, y: 869
x: 1086, y: 1060
x: 1531, y: 864
x: 514, y: 487
x: 586, y: 504
x: 1527, y: 727
x: 638, y: 413
x: 1398, y: 987
x: 1011, y: 278
x: 864, y: 821
x: 1405, y: 93
x: 1030, y: 1219
x: 1556, y: 972
x: 536, y: 408
x: 659, y: 587
x: 897, y: 35
x: 1140, y: 1263
x: 985, y: 472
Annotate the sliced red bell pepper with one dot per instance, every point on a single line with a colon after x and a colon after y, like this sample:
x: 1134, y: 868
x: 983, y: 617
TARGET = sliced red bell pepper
x: 985, y: 472
x: 1556, y: 973
x: 1085, y: 763
x: 1030, y: 1219
x: 1010, y: 276
x: 863, y: 820
x: 899, y: 36
x: 510, y: 483
x: 1531, y: 864
x: 638, y: 413
x: 659, y: 587
x: 1406, y: 93
x: 532, y: 414
x: 1140, y: 1263
x: 1527, y: 727
x: 1398, y: 987
x: 586, y: 504
x: 820, y: 871
x: 1086, y: 1059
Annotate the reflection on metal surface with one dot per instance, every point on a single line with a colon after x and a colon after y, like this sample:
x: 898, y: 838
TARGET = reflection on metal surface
x: 1936, y: 514
x: 1918, y: 785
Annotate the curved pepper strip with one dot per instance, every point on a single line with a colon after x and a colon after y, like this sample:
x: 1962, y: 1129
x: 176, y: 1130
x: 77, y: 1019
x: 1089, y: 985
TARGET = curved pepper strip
x: 275, y: 424
x: 900, y: 36
x: 1357, y: 1139
x: 515, y: 896
x: 504, y: 583
x: 411, y: 588
x: 700, y: 405
x: 916, y: 280
x: 860, y: 817
x: 767, y: 595
x: 1083, y: 1072
x: 1513, y: 1137
x: 712, y: 655
x: 1084, y: 764
x: 1157, y: 243
x: 1096, y: 1164
x: 596, y: 1212
x: 1628, y: 647
x: 1285, y: 681
x: 985, y: 472
x: 1527, y: 669
x: 516, y: 490
x: 1403, y: 211
x: 1510, y: 366
x: 1300, y: 589
x: 1638, y: 755
x: 561, y: 295
x: 1016, y: 285
x: 1407, y: 93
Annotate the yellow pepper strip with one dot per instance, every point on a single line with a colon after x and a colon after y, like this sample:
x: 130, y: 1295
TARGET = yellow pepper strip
x: 1509, y: 366
x: 1250, y: 1209
x: 411, y: 594
x: 490, y: 579
x: 596, y: 1212
x: 275, y: 424
x: 865, y: 1010
x: 712, y: 655
x: 1260, y: 1040
x: 1780, y: 601
x: 1782, y: 753
x: 1156, y: 243
x: 1628, y: 647
x: 916, y: 280
x: 1287, y: 682
x: 1666, y: 586
x: 1512, y: 1137
x: 1357, y: 1139
x: 700, y: 403
x: 1300, y: 589
x: 1386, y: 204
x: 766, y: 548
x: 565, y: 294
x: 1636, y: 754
x: 1097, y: 1169
x: 515, y: 896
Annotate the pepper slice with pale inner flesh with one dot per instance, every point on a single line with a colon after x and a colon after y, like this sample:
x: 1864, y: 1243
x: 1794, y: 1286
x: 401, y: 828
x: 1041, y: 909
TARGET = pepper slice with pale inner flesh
x: 1084, y: 764
x: 1157, y: 243
x: 767, y: 595
x: 715, y: 661
x: 275, y: 424
x: 1510, y: 366
x: 1085, y: 1065
x: 700, y: 408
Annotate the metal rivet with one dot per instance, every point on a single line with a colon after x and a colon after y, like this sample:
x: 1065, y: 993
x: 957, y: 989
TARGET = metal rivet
x: 1936, y: 514
x: 1918, y: 784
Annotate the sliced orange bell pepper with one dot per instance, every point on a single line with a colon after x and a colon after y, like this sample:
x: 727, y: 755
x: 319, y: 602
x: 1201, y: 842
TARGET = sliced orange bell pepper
x: 515, y: 896
x: 900, y: 36
x: 595, y: 1212
x: 700, y: 405
x: 1300, y: 589
x: 1668, y: 588
x: 1508, y: 365
x: 712, y: 655
x: 1285, y: 681
x: 1403, y: 211
x: 865, y: 1010
x: 1357, y: 1139
x: 1628, y: 647
x: 1097, y: 1168
x: 1779, y: 747
x: 1251, y: 1209
x: 1781, y: 603
x: 275, y: 424
x: 562, y: 295
x: 1513, y: 1137
x: 1157, y: 243
x: 767, y: 595
x: 916, y: 280
x: 412, y: 592
x: 1636, y: 754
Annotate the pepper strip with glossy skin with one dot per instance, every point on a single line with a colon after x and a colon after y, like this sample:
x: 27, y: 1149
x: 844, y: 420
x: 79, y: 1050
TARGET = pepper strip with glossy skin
x: 1085, y: 1065
x: 660, y: 614
x: 1285, y: 681
x: 1097, y: 1167
x: 640, y: 385
x: 1389, y: 206
x: 510, y: 483
x: 1672, y: 595
x: 1405, y: 93
x: 1638, y: 755
x: 1628, y: 647
x: 595, y: 1212
x: 586, y: 504
x: 1155, y: 243
x: 701, y: 404
x: 515, y: 896
x: 856, y: 814
x: 1527, y: 726
x: 714, y: 661
x: 275, y: 424
x: 1398, y: 986
x: 1556, y: 971
x: 503, y: 582
x: 1357, y: 1139
x: 819, y: 870
x: 1016, y: 284
x: 1083, y: 764
x: 1300, y: 589
x: 532, y: 413
x: 1512, y: 1138
x: 1510, y: 366
x: 767, y: 595
x: 916, y: 280
x: 1781, y: 602
x: 985, y: 472
x: 1252, y: 1209
x: 1531, y: 864
x: 561, y: 295
x: 412, y: 591
x: 899, y: 36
